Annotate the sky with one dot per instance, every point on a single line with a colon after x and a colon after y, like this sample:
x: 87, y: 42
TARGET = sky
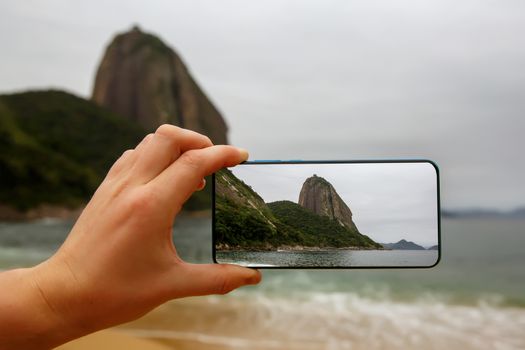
x: 389, y: 201
x: 334, y: 79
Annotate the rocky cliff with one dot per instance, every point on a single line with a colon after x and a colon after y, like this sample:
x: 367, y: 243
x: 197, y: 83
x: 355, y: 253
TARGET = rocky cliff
x: 319, y: 196
x: 229, y: 187
x: 144, y: 80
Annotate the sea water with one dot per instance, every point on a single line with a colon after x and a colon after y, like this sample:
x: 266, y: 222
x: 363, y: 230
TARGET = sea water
x: 474, y: 299
x: 330, y: 258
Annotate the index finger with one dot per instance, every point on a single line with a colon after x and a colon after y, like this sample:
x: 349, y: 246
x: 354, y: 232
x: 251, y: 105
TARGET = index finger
x: 166, y: 145
x: 178, y: 181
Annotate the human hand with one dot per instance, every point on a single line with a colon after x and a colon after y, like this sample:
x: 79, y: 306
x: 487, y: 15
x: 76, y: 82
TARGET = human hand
x: 119, y: 261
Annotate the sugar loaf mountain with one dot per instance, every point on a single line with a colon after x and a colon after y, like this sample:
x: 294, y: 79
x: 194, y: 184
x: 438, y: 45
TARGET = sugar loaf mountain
x: 55, y: 147
x: 320, y: 219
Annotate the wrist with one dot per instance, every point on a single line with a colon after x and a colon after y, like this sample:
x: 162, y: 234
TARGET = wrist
x: 37, y: 306
x: 26, y: 320
x: 55, y: 291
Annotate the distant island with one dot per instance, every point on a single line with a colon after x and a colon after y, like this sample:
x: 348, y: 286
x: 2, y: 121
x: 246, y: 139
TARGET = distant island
x: 403, y: 245
x: 320, y: 220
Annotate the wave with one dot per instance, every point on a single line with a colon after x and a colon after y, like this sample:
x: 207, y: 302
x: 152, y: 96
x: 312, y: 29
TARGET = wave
x: 13, y: 257
x: 340, y: 321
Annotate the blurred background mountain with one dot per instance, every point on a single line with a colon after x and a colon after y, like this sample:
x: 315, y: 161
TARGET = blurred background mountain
x: 57, y: 147
x: 144, y: 80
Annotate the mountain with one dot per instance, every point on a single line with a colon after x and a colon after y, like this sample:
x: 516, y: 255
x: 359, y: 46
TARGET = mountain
x: 144, y: 80
x: 403, y: 245
x: 234, y: 190
x: 55, y: 148
x: 319, y: 196
x: 434, y: 247
x: 244, y: 221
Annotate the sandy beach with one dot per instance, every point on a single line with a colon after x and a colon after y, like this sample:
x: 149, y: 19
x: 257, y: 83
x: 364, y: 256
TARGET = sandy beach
x: 191, y: 323
x: 113, y: 339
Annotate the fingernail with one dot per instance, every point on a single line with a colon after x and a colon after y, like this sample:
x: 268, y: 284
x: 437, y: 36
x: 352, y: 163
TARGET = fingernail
x: 256, y: 278
x: 201, y: 185
x: 244, y: 153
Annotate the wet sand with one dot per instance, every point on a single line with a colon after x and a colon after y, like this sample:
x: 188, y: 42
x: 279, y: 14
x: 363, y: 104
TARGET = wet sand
x: 191, y: 323
x: 113, y: 339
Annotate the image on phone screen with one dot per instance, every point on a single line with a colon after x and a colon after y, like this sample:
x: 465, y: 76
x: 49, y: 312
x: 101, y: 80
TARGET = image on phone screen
x: 327, y: 214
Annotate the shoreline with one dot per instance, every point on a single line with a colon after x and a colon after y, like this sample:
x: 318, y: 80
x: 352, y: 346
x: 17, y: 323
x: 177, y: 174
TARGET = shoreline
x: 57, y: 212
x: 296, y: 249
x: 113, y: 339
x: 45, y: 211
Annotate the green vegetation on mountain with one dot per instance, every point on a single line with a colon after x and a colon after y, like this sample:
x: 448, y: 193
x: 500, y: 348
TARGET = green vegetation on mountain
x: 243, y: 226
x: 244, y: 221
x: 238, y: 207
x: 55, y: 148
x: 319, y: 229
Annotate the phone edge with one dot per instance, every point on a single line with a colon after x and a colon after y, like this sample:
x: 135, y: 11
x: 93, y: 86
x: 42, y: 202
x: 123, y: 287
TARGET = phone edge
x: 355, y: 161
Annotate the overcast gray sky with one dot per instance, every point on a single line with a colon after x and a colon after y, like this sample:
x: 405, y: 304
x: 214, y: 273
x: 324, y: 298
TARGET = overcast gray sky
x: 389, y: 201
x: 333, y: 79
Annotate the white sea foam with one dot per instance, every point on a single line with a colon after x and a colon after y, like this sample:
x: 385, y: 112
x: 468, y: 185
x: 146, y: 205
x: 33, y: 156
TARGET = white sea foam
x: 257, y: 265
x: 350, y: 321
x: 245, y: 263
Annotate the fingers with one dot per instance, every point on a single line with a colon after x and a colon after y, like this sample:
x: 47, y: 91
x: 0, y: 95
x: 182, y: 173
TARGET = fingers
x: 120, y: 164
x: 177, y: 182
x: 204, y: 279
x: 127, y: 158
x: 164, y: 147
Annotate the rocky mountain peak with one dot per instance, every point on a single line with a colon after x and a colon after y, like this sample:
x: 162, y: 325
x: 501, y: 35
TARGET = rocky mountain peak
x: 144, y: 80
x: 319, y: 196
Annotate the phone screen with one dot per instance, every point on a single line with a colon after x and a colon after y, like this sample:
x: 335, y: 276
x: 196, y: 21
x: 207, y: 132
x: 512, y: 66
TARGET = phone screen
x: 327, y: 214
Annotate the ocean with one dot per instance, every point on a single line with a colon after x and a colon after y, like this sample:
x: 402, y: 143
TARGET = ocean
x: 330, y: 258
x: 474, y: 298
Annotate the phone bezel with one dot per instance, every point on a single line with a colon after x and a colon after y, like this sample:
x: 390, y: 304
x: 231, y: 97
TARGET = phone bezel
x: 267, y: 162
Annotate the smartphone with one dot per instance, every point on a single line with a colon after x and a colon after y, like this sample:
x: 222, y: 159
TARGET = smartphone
x: 327, y: 214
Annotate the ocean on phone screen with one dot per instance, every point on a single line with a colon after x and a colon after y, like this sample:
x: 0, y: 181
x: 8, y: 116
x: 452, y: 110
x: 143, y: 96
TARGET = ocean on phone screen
x: 474, y: 299
x: 330, y: 258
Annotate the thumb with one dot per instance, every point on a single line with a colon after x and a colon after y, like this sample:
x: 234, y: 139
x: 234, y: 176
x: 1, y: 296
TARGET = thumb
x: 204, y: 279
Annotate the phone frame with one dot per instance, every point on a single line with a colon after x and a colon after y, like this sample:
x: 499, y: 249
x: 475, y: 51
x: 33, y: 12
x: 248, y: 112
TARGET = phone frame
x: 365, y: 161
